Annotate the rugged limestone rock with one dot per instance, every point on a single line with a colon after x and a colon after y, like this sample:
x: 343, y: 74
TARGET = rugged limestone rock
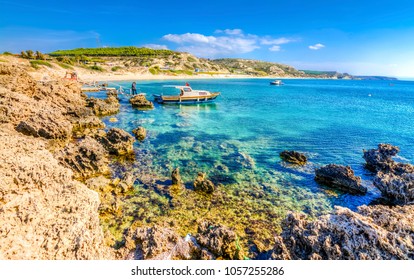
x: 176, y: 177
x: 293, y: 157
x: 394, y: 179
x: 202, y: 184
x: 375, y: 232
x: 398, y: 188
x: 44, y: 213
x: 218, y: 240
x: 141, y: 103
x: 140, y: 133
x: 103, y: 107
x: 341, y: 177
x: 117, y: 142
x: 86, y: 158
x: 49, y: 124
x: 15, y: 79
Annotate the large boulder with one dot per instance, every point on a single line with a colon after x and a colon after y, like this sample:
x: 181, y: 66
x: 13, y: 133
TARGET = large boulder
x: 86, y: 158
x: 202, y: 184
x: 117, y: 142
x: 293, y: 157
x: 140, y: 102
x: 373, y: 233
x: 140, y: 133
x: 103, y: 107
x: 341, y: 177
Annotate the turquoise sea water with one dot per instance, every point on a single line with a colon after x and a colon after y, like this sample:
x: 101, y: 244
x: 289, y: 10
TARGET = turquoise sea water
x: 237, y: 139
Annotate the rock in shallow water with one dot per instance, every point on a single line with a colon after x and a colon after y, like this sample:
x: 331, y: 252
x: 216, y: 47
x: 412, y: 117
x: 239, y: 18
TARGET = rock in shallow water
x: 293, y: 157
x: 341, y: 177
x: 141, y: 103
x: 140, y: 133
x: 117, y: 142
x: 202, y: 184
x: 176, y: 177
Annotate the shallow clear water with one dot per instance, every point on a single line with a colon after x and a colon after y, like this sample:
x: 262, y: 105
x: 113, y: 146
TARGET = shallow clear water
x: 237, y: 139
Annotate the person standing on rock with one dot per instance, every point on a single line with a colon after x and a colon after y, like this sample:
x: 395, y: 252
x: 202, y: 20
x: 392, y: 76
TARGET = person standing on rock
x: 134, y: 88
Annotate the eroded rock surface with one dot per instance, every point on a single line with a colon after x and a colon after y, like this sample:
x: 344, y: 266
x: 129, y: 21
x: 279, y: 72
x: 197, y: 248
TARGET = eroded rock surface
x: 44, y: 213
x: 117, y: 142
x: 372, y: 233
x: 141, y: 103
x: 140, y: 133
x: 293, y: 157
x: 341, y: 177
x: 202, y: 184
x: 103, y: 107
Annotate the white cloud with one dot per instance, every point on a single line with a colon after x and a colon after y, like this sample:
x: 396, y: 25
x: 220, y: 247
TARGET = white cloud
x: 316, y: 47
x: 155, y: 47
x: 277, y: 41
x: 224, y: 42
x: 275, y: 48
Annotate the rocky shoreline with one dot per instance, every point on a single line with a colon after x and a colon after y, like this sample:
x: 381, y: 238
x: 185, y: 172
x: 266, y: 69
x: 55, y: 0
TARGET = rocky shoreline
x: 58, y: 190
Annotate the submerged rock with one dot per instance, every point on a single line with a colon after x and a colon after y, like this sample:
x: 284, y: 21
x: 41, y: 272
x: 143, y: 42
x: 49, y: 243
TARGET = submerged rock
x: 341, y: 177
x: 293, y: 157
x: 86, y: 158
x: 373, y: 233
x: 103, y: 107
x: 140, y: 133
x: 117, y: 142
x: 140, y: 102
x: 202, y: 184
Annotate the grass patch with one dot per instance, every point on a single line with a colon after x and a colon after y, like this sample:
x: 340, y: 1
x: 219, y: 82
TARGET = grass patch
x: 37, y: 63
x: 64, y: 65
x: 7, y: 53
x: 116, y: 68
x: 96, y: 68
x: 154, y: 70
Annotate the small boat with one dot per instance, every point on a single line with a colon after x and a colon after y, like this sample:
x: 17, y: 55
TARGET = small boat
x: 277, y: 83
x: 187, y: 95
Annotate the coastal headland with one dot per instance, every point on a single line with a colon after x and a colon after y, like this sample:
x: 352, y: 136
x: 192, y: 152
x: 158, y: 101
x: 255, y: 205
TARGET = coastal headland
x: 60, y: 200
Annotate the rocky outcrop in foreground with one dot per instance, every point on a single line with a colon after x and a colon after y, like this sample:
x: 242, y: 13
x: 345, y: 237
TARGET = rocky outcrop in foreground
x: 117, y: 142
x: 44, y: 213
x: 211, y: 242
x: 372, y: 233
x: 341, y: 177
x: 103, y: 107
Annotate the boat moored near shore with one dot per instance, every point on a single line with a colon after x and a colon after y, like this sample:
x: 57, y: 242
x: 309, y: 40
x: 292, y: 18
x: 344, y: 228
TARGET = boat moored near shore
x: 187, y: 95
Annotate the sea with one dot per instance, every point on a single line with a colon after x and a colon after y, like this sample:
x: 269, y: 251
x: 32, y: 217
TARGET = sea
x: 237, y: 139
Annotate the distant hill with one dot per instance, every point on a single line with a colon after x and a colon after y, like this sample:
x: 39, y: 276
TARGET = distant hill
x: 258, y: 68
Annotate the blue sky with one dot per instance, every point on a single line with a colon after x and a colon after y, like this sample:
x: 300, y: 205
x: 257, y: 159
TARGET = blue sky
x: 358, y: 37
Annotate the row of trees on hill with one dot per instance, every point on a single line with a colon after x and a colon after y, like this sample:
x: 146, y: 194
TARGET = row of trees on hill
x: 121, y: 51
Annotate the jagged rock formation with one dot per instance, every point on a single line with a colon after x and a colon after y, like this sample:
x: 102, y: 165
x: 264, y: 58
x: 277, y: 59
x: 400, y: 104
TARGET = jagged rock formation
x: 393, y: 179
x: 117, y: 142
x: 157, y: 243
x: 141, y: 103
x: 341, y: 177
x: 86, y: 158
x: 176, y: 177
x: 44, y: 213
x: 140, y: 133
x: 202, y: 184
x: 293, y: 157
x: 374, y: 232
x: 103, y: 107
